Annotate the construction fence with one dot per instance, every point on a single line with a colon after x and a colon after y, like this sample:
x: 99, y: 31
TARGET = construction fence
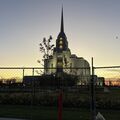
x: 97, y: 93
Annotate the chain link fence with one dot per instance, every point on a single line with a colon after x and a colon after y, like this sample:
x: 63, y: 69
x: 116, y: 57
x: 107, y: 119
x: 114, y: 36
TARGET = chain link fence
x: 30, y: 94
x: 108, y: 98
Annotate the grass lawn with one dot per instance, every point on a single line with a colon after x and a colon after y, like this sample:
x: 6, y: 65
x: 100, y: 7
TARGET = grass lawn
x: 50, y: 113
x: 80, y: 99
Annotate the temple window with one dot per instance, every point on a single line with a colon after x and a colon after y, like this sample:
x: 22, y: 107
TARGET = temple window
x: 61, y: 38
x: 61, y: 46
x: 61, y: 42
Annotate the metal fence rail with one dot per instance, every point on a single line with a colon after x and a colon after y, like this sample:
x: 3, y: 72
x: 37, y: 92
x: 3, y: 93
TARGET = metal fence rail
x: 108, y: 99
x: 101, y: 97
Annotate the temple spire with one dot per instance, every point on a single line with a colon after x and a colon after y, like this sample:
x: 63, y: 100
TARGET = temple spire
x: 61, y: 42
x: 62, y: 21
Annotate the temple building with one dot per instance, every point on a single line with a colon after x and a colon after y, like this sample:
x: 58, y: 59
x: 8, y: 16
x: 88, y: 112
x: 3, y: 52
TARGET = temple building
x: 64, y: 61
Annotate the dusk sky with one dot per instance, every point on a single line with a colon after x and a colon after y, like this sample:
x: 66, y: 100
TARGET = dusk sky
x: 92, y: 28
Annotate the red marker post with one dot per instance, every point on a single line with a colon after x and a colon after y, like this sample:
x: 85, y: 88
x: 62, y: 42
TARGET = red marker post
x: 60, y: 106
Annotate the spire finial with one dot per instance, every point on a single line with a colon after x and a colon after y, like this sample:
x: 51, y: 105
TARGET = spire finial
x: 62, y: 21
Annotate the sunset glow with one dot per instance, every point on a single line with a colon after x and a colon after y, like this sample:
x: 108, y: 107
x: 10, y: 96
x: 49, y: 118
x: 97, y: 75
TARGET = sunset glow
x: 91, y: 27
x: 112, y: 82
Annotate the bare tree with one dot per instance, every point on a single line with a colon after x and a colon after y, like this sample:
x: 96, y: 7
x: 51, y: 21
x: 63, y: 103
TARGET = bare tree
x: 46, y: 48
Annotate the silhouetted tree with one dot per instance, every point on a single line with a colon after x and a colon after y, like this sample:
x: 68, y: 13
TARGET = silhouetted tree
x: 46, y: 48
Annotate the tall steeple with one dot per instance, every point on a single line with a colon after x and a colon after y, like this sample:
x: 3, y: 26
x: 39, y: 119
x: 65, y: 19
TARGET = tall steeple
x: 62, y: 21
x: 61, y: 42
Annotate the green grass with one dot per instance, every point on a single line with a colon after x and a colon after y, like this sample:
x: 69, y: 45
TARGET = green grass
x: 42, y: 113
x: 79, y: 99
x: 50, y: 113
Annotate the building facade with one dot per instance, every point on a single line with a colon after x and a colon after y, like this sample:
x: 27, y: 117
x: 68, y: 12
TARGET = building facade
x: 62, y: 61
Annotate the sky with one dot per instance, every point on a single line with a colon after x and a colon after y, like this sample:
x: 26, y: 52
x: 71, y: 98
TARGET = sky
x: 92, y: 28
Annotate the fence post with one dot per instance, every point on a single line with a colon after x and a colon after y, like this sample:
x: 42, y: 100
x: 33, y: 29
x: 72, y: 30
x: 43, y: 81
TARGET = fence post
x: 23, y: 72
x: 33, y: 87
x: 93, y: 107
x: 33, y: 71
x: 60, y: 97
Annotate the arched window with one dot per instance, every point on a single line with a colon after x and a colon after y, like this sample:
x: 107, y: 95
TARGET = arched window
x: 60, y: 46
x: 61, y: 42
